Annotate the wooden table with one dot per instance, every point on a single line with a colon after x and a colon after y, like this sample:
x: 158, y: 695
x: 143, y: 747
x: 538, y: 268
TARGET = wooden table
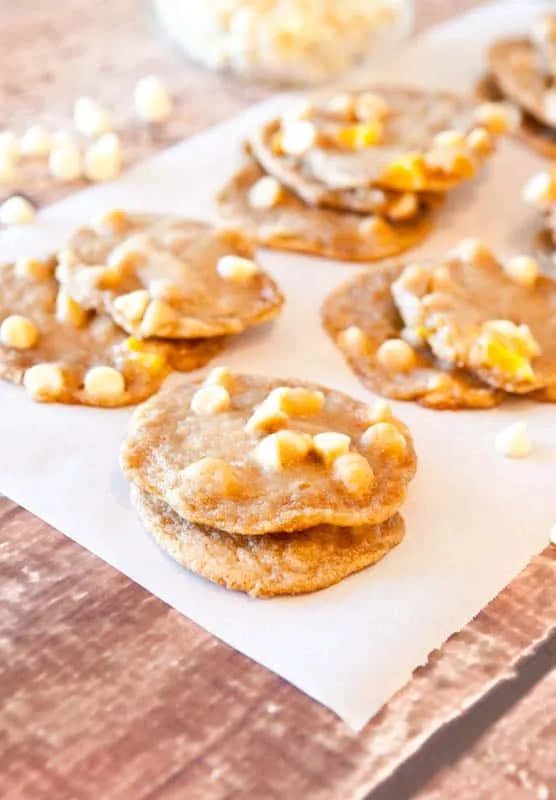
x: 107, y: 693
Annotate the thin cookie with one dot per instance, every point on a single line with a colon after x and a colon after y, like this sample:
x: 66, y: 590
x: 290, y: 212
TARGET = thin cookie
x: 496, y: 320
x: 519, y: 68
x: 63, y: 354
x: 273, y: 564
x: 253, y: 455
x: 398, y: 138
x: 286, y: 223
x: 362, y: 319
x: 539, y: 137
x: 161, y: 276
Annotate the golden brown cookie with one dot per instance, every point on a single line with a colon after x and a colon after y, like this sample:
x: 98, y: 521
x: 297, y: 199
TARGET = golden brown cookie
x: 64, y: 354
x: 290, y: 224
x: 362, y: 319
x: 519, y: 68
x: 398, y: 138
x: 253, y: 455
x: 272, y: 564
x: 159, y: 276
x: 496, y: 320
x: 533, y: 133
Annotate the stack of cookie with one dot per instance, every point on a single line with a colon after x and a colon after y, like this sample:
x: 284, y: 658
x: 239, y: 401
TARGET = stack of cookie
x: 125, y: 302
x: 540, y: 192
x: 461, y: 333
x: 522, y: 69
x: 359, y: 175
x: 265, y: 486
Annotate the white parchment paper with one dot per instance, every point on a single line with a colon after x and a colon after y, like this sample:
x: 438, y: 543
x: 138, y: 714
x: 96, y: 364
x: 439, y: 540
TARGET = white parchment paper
x: 474, y: 519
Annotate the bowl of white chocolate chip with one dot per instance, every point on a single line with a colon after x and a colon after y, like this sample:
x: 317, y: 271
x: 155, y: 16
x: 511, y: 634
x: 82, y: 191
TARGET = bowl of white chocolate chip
x: 286, y: 41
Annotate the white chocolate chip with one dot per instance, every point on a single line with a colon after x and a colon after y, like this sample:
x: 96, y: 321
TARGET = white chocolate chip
x: 330, y: 445
x: 33, y: 269
x: 266, y: 420
x: 68, y: 311
x: 480, y: 141
x: 384, y: 437
x: 219, y: 376
x: 104, y: 383
x: 514, y: 441
x: 44, y: 382
x: 370, y: 106
x: 210, y: 400
x: 65, y: 163
x: 406, y: 207
x: 540, y: 190
x: 265, y: 193
x: 156, y: 317
x: 213, y: 476
x: 471, y: 251
x: 132, y: 305
x: 236, y: 269
x: 550, y: 105
x: 103, y: 158
x: 152, y: 99
x: 354, y: 341
x: 395, y: 355
x: 16, y: 210
x: 8, y: 172
x: 18, y: 332
x: 449, y: 140
x: 36, y: 142
x: 498, y: 118
x: 298, y: 137
x: 9, y: 146
x: 354, y: 472
x: 90, y: 118
x: 282, y: 449
x: 294, y: 401
x: 380, y: 411
x: 523, y: 269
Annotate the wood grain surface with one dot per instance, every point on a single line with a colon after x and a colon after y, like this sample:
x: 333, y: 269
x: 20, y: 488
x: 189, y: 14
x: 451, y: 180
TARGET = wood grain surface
x: 107, y: 693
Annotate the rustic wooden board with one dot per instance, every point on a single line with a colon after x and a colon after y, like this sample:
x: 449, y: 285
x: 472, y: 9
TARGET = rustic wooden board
x: 515, y: 759
x: 105, y: 692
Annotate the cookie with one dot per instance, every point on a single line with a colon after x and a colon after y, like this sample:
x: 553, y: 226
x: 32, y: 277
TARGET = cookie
x: 64, y: 354
x: 290, y: 224
x: 398, y: 138
x: 519, y: 68
x: 362, y: 319
x: 175, y: 278
x: 496, y: 320
x: 272, y: 564
x: 253, y: 455
x: 530, y: 131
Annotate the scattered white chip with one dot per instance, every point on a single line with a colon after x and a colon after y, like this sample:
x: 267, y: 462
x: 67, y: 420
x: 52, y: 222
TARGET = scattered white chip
x: 103, y: 158
x: 36, y: 142
x: 90, y: 118
x: 514, y: 441
x: 44, y: 382
x: 65, y: 162
x: 9, y: 146
x: 17, y: 210
x: 152, y: 99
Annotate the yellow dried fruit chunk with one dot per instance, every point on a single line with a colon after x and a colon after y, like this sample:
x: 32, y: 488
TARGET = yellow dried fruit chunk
x: 361, y: 135
x: 142, y: 353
